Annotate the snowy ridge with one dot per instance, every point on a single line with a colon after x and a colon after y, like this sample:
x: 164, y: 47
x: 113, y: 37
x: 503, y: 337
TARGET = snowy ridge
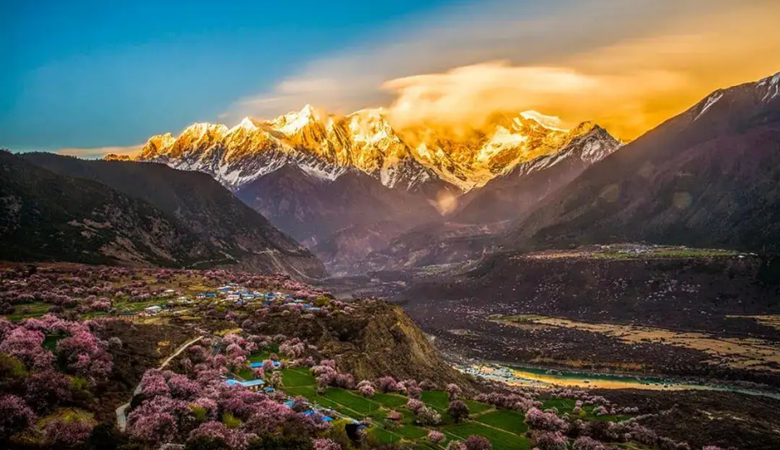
x: 327, y: 146
x: 771, y: 85
x: 711, y: 100
x: 593, y: 146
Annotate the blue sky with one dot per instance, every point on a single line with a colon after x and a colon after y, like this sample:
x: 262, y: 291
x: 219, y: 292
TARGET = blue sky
x: 94, y: 73
x: 88, y: 77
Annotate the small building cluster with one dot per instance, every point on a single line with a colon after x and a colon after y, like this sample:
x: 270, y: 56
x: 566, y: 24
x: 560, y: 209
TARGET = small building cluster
x: 252, y: 385
x: 236, y: 294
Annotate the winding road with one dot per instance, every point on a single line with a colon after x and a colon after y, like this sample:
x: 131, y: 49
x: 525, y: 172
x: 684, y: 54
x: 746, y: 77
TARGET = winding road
x: 121, y: 412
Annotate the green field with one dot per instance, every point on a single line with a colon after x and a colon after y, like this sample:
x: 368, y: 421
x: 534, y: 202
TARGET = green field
x: 666, y: 252
x: 390, y: 400
x: 438, y: 399
x: 265, y: 354
x: 297, y: 377
x: 476, y: 407
x: 412, y: 431
x: 259, y: 357
x: 384, y: 436
x: 246, y: 374
x: 501, y: 440
x: 504, y: 428
x: 35, y: 309
x: 352, y: 401
x: 564, y: 405
x: 508, y: 420
x: 326, y: 401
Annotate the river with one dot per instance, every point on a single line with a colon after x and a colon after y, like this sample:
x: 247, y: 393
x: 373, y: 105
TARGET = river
x: 528, y: 376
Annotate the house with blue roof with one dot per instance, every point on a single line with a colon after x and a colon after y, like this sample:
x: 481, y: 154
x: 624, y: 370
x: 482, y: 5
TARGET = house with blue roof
x: 311, y: 412
x: 251, y: 384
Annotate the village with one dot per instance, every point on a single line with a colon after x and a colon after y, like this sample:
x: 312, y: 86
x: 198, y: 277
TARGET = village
x: 230, y: 294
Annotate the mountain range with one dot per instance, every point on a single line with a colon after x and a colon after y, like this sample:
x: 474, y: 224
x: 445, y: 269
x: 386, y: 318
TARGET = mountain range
x: 328, y: 146
x: 64, y: 208
x: 346, y: 185
x: 707, y: 177
x: 365, y: 196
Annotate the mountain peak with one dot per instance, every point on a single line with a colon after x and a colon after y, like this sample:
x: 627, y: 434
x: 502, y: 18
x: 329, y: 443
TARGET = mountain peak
x: 370, y: 113
x: 293, y: 122
x: 771, y: 85
x: 366, y: 140
x: 202, y: 129
x: 247, y: 124
x: 549, y: 122
x: 584, y: 128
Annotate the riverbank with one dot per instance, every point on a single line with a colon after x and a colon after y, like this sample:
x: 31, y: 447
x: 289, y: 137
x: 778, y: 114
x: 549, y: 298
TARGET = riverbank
x: 531, y: 376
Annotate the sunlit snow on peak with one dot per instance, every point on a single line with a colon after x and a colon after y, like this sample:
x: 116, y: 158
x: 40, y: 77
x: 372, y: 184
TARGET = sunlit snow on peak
x: 551, y: 122
x: 293, y: 122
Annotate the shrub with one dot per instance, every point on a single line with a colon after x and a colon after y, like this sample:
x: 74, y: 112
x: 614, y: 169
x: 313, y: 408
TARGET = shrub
x: 15, y: 416
x: 458, y: 410
x: 477, y: 443
x: 25, y: 345
x: 454, y: 391
x: 60, y: 433
x: 326, y: 444
x: 547, y: 421
x: 46, y: 390
x: 366, y: 388
x: 218, y: 433
x: 552, y: 440
x: 435, y: 436
x: 414, y: 405
x: 587, y: 443
x: 387, y: 384
x: 428, y: 416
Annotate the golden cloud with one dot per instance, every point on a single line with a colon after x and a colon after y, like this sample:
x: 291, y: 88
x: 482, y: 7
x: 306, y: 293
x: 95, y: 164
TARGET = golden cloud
x: 467, y: 96
x: 628, y: 87
x: 627, y: 65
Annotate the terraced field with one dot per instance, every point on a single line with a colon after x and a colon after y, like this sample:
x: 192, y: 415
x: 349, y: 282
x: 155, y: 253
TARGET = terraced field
x: 504, y: 428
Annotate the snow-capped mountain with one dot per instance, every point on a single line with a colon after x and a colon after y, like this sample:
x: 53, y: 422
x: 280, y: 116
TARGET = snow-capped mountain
x: 707, y: 177
x: 513, y: 194
x: 587, y: 142
x: 471, y: 159
x: 326, y: 146
x: 333, y: 181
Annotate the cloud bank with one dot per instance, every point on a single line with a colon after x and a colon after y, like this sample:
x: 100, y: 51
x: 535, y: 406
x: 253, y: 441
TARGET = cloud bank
x: 625, y: 65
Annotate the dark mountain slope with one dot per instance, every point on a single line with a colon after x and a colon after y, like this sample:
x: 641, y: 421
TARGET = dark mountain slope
x: 507, y: 196
x: 432, y: 244
x: 350, y: 245
x: 240, y: 235
x: 312, y: 209
x: 708, y: 177
x: 45, y: 216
